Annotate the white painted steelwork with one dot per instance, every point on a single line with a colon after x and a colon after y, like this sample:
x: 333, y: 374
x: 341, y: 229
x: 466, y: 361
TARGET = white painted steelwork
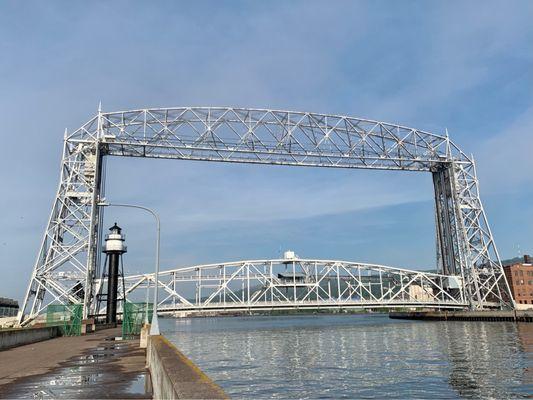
x: 114, y: 242
x: 303, y: 283
x: 69, y: 251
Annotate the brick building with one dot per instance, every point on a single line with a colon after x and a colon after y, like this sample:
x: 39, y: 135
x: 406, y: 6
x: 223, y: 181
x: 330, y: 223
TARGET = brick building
x: 520, y: 278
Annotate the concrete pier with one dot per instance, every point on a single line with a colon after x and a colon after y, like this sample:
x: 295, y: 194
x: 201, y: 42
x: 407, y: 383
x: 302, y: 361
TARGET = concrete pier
x: 174, y: 376
x: 101, y: 365
x: 92, y: 366
x: 495, y: 315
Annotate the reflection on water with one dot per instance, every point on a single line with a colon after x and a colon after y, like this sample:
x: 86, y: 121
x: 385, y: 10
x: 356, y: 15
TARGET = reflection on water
x: 359, y: 356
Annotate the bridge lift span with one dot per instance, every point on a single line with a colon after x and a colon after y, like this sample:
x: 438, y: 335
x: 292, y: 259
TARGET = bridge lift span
x: 69, y: 251
x: 296, y: 283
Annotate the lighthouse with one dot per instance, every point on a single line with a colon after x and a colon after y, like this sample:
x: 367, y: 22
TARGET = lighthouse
x: 114, y: 248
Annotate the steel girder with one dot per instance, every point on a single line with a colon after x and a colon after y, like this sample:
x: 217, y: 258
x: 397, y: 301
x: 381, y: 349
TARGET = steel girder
x: 68, y: 255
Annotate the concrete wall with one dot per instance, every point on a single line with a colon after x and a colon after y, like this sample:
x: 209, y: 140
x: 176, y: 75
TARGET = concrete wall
x: 18, y: 337
x: 8, y: 322
x: 174, y: 376
x: 485, y: 315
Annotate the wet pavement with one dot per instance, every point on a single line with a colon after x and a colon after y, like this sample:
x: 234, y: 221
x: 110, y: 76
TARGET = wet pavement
x: 109, y: 369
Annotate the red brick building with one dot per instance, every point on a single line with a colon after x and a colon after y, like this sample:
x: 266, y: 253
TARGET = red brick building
x: 520, y: 278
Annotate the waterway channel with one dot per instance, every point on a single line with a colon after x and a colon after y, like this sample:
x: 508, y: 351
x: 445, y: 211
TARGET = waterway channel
x: 358, y: 356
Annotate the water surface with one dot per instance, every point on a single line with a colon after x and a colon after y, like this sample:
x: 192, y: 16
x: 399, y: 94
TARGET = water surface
x: 358, y: 356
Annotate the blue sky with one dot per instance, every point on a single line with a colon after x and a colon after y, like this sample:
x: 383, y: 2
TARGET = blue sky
x: 464, y: 66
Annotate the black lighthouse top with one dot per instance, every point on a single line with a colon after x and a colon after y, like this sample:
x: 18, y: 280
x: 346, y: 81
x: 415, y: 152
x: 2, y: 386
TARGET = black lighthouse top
x: 115, y: 229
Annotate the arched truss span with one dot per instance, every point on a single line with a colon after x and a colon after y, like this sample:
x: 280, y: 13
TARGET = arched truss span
x: 297, y: 284
x: 66, y: 266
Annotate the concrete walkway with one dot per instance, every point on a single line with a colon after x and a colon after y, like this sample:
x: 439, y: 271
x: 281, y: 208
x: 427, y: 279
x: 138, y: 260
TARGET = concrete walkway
x: 92, y: 366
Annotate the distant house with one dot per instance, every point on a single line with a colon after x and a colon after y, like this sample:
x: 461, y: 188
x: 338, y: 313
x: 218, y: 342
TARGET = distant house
x: 519, y: 274
x: 8, y: 307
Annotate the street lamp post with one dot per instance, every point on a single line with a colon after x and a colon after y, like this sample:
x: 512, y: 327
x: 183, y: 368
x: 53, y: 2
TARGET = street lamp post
x: 154, y: 328
x: 146, y: 320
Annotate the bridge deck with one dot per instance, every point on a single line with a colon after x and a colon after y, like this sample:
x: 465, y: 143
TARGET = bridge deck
x: 279, y: 305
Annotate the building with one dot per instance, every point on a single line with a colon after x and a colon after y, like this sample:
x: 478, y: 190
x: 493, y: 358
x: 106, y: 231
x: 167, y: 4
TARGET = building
x: 417, y: 292
x: 519, y: 274
x: 8, y: 307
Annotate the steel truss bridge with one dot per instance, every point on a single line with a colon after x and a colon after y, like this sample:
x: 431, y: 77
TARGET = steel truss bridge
x: 296, y: 284
x: 66, y: 267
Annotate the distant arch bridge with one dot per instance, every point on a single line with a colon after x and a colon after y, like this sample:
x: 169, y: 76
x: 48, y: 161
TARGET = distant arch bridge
x: 296, y: 283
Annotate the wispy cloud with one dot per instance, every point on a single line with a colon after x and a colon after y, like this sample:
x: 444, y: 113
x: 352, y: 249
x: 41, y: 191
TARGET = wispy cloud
x: 505, y: 161
x: 191, y: 194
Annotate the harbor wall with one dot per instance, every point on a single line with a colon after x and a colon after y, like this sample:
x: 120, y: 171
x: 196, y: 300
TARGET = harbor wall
x: 493, y: 315
x: 174, y: 376
x: 17, y: 337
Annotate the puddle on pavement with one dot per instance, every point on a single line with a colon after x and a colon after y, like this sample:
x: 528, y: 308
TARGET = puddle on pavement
x: 75, y: 377
x: 91, y: 373
x: 114, y: 338
x: 117, y: 346
x: 91, y: 358
x: 72, y: 383
x: 139, y: 384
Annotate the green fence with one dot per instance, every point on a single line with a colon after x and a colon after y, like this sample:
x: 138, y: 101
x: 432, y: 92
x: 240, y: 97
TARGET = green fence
x: 134, y: 317
x: 67, y: 316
